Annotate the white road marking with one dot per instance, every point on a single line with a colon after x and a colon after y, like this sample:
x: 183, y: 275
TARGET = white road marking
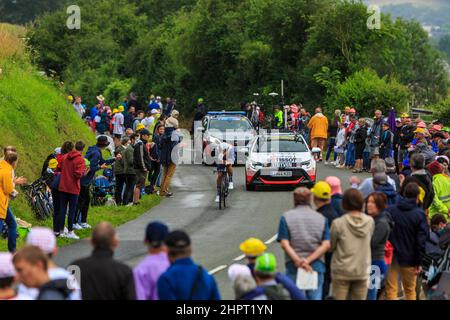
x: 271, y: 239
x: 239, y: 258
x: 220, y: 268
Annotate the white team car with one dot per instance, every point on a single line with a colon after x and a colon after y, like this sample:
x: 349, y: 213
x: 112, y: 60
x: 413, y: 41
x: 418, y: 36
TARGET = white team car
x: 279, y: 160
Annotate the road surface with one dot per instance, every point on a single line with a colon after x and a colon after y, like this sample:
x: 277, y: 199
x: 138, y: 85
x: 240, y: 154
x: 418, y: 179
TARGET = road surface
x: 216, y: 234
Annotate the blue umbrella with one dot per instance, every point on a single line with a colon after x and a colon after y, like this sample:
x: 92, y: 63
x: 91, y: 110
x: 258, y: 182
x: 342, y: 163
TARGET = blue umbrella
x: 391, y: 120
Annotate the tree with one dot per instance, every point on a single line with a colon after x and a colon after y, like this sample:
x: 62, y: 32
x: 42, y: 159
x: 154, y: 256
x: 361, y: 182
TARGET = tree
x: 444, y: 46
x: 442, y: 111
x: 24, y: 11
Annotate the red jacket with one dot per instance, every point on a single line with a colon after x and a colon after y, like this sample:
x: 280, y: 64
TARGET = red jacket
x: 72, y: 169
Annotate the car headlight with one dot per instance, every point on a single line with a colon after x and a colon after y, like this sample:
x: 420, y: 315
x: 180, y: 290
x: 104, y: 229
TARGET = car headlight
x: 306, y: 164
x: 255, y: 164
x: 213, y: 140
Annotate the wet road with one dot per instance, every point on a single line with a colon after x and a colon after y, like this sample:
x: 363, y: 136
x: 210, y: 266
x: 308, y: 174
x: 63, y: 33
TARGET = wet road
x: 216, y: 234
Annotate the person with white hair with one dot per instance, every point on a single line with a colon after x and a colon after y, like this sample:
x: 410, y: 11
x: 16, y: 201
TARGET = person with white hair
x: 45, y: 239
x: 244, y: 285
x: 8, y: 278
x: 366, y: 187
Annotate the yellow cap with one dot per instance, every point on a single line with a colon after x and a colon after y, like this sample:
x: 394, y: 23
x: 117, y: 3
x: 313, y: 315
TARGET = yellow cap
x: 53, y: 163
x: 115, y: 110
x: 405, y: 115
x: 347, y: 108
x: 253, y: 247
x: 419, y: 130
x: 70, y: 98
x: 140, y: 126
x: 321, y: 190
x: 121, y: 108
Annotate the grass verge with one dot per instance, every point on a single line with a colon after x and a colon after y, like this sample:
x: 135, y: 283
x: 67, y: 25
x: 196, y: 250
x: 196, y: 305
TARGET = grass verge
x: 36, y: 118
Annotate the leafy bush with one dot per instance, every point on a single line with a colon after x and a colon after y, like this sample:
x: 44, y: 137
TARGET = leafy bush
x: 366, y: 91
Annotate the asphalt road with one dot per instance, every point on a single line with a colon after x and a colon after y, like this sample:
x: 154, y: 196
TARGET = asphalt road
x: 216, y: 234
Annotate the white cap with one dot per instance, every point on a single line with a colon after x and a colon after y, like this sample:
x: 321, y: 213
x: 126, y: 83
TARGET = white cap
x: 154, y: 111
x: 236, y: 270
x: 44, y: 238
x: 58, y: 150
x: 6, y: 266
x: 158, y: 98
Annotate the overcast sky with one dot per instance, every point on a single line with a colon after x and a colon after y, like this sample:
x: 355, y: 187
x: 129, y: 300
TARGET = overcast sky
x: 421, y: 2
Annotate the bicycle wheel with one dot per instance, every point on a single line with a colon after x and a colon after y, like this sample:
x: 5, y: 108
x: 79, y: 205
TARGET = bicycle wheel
x: 224, y: 191
x: 39, y: 208
x: 220, y: 197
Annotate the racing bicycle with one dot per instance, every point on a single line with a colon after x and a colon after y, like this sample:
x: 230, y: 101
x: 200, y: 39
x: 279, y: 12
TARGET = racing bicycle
x: 224, y: 191
x: 39, y: 198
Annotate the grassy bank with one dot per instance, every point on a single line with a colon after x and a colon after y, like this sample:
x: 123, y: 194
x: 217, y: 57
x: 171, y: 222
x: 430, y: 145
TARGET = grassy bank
x: 36, y: 118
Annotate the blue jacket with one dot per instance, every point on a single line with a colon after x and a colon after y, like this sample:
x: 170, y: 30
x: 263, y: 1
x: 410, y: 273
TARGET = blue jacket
x: 167, y: 146
x: 410, y: 232
x: 389, y: 191
x: 94, y: 155
x: 336, y: 202
x: 153, y: 105
x: 177, y: 282
x: 94, y: 112
x: 286, y: 282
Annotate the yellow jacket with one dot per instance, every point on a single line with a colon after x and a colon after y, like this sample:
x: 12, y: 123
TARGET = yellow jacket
x: 6, y: 186
x: 319, y: 126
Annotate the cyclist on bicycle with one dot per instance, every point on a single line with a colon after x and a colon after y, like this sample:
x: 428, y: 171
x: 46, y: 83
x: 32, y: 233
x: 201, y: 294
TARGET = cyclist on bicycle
x: 225, y: 160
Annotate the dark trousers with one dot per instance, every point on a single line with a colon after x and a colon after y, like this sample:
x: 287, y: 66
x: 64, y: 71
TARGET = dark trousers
x: 153, y: 174
x: 120, y: 184
x: 11, y: 223
x: 130, y: 182
x: 84, y: 200
x: 330, y: 148
x: 397, y: 168
x: 56, y: 209
x: 67, y: 200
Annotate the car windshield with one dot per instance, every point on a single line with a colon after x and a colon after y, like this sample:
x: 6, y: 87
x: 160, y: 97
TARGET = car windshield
x: 281, y: 144
x: 230, y: 123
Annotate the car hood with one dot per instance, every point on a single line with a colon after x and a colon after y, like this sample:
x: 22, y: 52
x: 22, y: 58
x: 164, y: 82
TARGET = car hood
x: 231, y: 135
x: 289, y: 157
